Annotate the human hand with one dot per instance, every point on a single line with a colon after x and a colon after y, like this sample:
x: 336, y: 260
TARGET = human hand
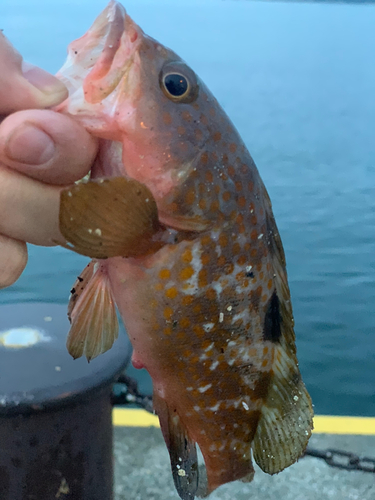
x: 41, y: 151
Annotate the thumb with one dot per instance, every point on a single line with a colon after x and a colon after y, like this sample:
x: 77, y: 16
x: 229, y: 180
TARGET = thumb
x: 24, y: 86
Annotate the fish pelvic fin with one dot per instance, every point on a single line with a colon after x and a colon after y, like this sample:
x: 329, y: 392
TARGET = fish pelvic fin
x: 286, y: 420
x: 92, y: 313
x: 182, y: 450
x: 109, y: 218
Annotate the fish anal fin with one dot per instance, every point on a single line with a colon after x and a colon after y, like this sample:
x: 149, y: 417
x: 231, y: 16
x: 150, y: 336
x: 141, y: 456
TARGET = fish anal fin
x: 94, y: 323
x: 182, y: 450
x: 286, y: 422
x: 109, y: 218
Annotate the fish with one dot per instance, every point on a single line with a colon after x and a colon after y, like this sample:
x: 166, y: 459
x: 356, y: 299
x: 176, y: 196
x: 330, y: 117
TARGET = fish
x: 183, y: 241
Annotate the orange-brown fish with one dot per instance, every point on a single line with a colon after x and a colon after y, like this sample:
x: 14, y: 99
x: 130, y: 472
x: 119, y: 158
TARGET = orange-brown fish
x: 184, y: 242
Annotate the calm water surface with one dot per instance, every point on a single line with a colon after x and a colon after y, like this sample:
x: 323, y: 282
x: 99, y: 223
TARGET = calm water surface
x: 298, y: 81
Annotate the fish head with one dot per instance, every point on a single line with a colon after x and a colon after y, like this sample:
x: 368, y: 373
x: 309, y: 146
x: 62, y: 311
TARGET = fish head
x: 125, y: 86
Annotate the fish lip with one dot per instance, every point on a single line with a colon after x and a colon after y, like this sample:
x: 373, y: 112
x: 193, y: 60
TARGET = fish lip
x: 90, y: 61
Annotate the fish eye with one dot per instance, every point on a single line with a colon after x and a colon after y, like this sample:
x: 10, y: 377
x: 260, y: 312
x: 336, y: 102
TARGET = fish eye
x: 178, y: 82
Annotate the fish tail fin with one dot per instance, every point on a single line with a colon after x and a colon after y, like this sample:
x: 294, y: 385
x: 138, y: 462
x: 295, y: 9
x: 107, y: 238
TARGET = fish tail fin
x: 286, y: 421
x: 92, y: 313
x: 182, y: 449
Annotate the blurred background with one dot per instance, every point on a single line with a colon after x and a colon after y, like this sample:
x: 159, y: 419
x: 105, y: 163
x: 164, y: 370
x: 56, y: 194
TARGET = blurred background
x: 298, y: 81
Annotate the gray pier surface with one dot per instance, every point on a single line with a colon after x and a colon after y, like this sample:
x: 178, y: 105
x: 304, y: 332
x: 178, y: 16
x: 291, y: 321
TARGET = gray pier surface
x: 142, y: 472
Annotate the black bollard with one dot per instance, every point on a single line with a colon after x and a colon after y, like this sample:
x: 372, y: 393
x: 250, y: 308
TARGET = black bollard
x: 55, y: 413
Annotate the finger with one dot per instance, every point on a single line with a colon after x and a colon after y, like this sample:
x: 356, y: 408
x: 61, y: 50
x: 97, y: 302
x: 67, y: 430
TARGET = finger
x: 47, y: 146
x: 29, y: 209
x: 13, y: 259
x: 24, y: 86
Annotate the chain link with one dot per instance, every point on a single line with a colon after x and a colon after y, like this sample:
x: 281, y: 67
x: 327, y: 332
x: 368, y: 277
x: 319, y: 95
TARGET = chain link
x: 127, y: 393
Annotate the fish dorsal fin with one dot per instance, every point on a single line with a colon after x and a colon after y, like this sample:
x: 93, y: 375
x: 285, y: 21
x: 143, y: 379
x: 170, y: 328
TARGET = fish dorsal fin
x: 109, y: 218
x: 92, y: 312
x: 182, y: 450
x: 286, y: 422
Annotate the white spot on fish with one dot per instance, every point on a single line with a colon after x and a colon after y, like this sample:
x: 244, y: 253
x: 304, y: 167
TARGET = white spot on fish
x: 70, y: 193
x: 209, y: 347
x: 245, y: 406
x: 248, y: 268
x: 181, y: 473
x: 205, y: 388
x: 89, y: 231
x: 196, y: 408
x: 214, y: 365
x: 189, y: 388
x: 98, y: 232
x: 260, y: 236
x: 221, y: 317
x: 244, y: 315
x: 217, y: 287
x: 196, y: 264
x: 295, y: 398
x: 229, y: 308
x: 208, y: 327
x: 215, y: 408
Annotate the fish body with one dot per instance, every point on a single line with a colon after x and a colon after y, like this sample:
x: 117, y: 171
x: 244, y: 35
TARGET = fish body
x: 183, y: 240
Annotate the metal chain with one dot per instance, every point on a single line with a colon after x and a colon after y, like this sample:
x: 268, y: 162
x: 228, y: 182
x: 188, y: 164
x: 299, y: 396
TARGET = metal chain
x: 343, y: 459
x: 128, y: 393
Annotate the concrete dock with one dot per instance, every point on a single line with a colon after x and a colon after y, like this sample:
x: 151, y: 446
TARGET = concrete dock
x: 142, y: 471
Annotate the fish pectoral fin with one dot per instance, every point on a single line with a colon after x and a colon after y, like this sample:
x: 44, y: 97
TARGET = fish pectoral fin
x: 92, y: 312
x: 193, y: 224
x: 109, y: 218
x: 286, y: 422
x: 182, y: 450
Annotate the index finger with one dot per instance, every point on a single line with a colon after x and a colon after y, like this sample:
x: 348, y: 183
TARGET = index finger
x: 24, y: 86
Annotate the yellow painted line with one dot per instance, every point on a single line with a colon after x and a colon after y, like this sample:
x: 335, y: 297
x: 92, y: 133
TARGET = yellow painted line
x: 134, y: 418
x: 323, y: 424
x: 329, y: 424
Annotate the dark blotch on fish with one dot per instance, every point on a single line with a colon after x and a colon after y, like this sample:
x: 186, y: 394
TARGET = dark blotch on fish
x: 272, y: 320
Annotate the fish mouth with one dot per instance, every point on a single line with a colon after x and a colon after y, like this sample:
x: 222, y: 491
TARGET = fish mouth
x: 100, y: 59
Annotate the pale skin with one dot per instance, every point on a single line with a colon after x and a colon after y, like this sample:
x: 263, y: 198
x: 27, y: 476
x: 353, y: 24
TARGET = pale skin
x: 41, y: 151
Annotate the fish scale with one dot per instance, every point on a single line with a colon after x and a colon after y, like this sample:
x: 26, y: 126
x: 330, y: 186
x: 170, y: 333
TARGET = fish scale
x: 184, y: 242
